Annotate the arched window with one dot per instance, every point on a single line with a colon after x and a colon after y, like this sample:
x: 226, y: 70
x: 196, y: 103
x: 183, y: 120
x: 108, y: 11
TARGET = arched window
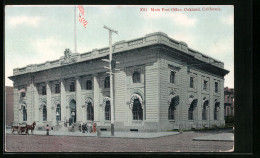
x: 171, y: 111
x: 107, y: 111
x: 90, y: 112
x: 58, y: 113
x: 172, y: 77
x: 44, y: 113
x: 107, y: 82
x: 190, y: 114
x: 73, y: 112
x: 137, y: 110
x: 204, y: 109
x: 216, y: 111
x: 172, y: 107
x: 191, y: 109
x: 24, y: 114
x: 89, y: 85
x: 136, y: 77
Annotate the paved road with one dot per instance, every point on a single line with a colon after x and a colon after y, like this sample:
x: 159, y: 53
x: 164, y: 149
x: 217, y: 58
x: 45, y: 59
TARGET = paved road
x: 175, y: 143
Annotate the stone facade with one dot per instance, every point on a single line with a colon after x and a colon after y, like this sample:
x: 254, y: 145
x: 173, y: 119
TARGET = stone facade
x: 162, y: 85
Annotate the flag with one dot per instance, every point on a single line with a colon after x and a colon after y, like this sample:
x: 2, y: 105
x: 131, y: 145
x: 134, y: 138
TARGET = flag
x: 83, y: 21
x: 82, y: 16
x: 81, y: 10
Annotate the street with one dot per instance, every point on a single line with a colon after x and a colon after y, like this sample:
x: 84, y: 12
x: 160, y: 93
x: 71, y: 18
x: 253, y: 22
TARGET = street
x: 174, y: 143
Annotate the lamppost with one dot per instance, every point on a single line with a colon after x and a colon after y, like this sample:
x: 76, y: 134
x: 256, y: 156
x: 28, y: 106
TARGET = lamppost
x: 111, y: 66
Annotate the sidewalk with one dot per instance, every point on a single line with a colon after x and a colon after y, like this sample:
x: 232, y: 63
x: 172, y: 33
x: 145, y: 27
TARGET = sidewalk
x: 104, y: 134
x: 217, y: 137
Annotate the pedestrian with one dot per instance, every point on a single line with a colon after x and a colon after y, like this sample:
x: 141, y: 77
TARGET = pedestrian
x: 83, y: 128
x: 79, y: 127
x: 90, y: 128
x: 86, y: 126
x: 47, y: 129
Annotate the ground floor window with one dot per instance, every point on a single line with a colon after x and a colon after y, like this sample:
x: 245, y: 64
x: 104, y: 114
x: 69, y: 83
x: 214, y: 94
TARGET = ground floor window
x: 191, y: 108
x: 137, y: 110
x: 107, y: 111
x: 44, y: 113
x: 171, y: 111
x: 190, y: 114
x: 24, y: 114
x: 216, y: 111
x: 90, y: 112
x: 58, y: 113
x: 204, y: 117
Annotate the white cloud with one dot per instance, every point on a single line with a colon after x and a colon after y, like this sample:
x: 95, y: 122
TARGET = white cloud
x: 33, y: 21
x: 222, y: 47
x: 183, y: 19
x: 50, y: 48
x: 228, y: 19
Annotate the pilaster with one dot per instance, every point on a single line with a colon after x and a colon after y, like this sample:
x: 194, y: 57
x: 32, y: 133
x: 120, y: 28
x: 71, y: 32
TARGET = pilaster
x: 36, y: 103
x: 211, y: 101
x: 49, y: 106
x: 78, y: 99
x: 63, y: 100
x: 96, y: 99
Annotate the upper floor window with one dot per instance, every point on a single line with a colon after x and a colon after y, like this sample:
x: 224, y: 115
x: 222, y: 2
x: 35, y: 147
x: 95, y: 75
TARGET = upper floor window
x: 72, y: 86
x: 216, y: 87
x: 205, y: 85
x: 57, y: 88
x: 136, y: 77
x: 172, y: 77
x: 191, y: 82
x: 107, y: 82
x: 89, y: 85
x: 43, y: 90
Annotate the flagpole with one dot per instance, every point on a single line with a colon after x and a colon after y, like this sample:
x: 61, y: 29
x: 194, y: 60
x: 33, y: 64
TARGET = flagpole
x: 75, y: 33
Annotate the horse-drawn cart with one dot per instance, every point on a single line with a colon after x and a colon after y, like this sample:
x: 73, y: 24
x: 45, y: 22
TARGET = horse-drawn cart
x: 23, y: 128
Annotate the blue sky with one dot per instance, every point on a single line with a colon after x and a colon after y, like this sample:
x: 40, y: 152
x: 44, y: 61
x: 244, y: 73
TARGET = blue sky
x: 35, y: 34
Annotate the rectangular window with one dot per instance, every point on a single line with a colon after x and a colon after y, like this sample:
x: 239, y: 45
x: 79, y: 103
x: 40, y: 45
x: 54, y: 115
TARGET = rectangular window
x: 72, y: 87
x: 57, y: 88
x: 191, y: 82
x: 172, y: 77
x: 205, y: 85
x: 216, y: 87
x: 43, y: 90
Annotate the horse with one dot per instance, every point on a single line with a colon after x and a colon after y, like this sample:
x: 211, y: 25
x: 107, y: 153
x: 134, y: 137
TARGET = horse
x: 19, y: 129
x: 30, y: 127
x: 15, y: 128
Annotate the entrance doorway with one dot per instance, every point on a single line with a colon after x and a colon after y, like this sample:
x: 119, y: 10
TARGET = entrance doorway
x: 73, y: 112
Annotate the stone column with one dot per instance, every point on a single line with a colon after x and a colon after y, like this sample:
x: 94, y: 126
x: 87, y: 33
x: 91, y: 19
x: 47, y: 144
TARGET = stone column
x: 96, y: 99
x: 36, y: 103
x: 49, y: 105
x: 211, y: 101
x: 199, y: 109
x: 63, y: 100
x: 78, y: 99
x: 221, y: 112
x: 17, y: 105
